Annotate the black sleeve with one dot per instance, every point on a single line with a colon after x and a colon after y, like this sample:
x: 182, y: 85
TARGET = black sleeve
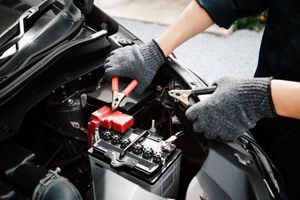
x: 225, y: 12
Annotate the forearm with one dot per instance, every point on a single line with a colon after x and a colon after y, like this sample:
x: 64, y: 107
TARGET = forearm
x: 286, y: 98
x: 193, y: 20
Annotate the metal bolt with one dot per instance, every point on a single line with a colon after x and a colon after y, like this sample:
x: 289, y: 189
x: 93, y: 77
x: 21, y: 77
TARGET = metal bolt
x: 70, y: 101
x: 75, y: 125
x: 159, y: 88
x: 152, y: 130
x: 249, y: 162
x: 83, y: 98
x: 57, y: 170
x: 114, y: 163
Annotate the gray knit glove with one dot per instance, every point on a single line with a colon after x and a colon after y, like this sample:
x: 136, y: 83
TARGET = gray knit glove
x: 235, y: 106
x: 136, y: 62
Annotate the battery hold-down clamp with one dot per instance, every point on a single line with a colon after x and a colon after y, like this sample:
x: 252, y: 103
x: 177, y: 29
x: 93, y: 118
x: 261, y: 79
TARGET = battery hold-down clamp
x: 110, y: 119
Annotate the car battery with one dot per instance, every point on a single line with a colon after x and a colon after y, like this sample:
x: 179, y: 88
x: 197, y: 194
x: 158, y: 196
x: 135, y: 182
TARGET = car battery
x: 121, y: 163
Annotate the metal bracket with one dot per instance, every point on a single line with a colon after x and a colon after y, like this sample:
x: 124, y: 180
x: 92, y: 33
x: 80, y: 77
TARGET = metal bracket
x: 50, y: 176
x: 115, y: 162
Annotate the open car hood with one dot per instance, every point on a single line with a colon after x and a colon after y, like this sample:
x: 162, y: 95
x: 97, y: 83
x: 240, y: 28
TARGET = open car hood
x: 36, y: 32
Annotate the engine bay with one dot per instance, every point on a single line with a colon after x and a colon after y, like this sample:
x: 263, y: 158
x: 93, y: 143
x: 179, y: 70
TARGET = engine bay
x: 61, y: 139
x: 62, y: 132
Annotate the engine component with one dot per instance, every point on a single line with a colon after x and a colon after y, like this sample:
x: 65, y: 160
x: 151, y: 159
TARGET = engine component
x: 55, y: 187
x: 42, y: 185
x: 149, y: 167
x: 6, y: 193
x: 67, y: 113
x: 18, y: 155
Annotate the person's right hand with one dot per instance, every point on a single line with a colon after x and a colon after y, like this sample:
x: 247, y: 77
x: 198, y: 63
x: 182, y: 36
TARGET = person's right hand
x: 235, y: 106
x: 140, y: 62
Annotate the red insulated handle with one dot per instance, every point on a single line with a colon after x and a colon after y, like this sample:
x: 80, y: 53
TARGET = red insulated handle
x: 115, y: 84
x: 130, y: 87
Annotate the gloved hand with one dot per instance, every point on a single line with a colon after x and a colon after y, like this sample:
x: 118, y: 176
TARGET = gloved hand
x: 235, y: 106
x: 136, y: 62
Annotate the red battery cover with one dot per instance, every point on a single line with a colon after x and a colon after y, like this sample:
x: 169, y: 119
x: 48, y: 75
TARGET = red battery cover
x: 112, y: 119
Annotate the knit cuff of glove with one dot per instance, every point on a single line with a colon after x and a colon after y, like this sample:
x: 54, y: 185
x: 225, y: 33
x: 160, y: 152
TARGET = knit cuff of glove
x: 160, y: 50
x: 258, y: 94
x: 152, y: 54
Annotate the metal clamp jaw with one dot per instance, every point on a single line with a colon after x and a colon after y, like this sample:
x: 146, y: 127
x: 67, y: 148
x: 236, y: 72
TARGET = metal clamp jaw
x: 117, y: 98
x: 184, y: 95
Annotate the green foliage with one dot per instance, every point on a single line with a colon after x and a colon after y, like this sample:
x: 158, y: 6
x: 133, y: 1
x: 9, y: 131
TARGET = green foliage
x: 256, y: 22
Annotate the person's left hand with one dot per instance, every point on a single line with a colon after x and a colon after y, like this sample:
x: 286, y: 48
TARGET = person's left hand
x: 140, y: 62
x: 235, y: 106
